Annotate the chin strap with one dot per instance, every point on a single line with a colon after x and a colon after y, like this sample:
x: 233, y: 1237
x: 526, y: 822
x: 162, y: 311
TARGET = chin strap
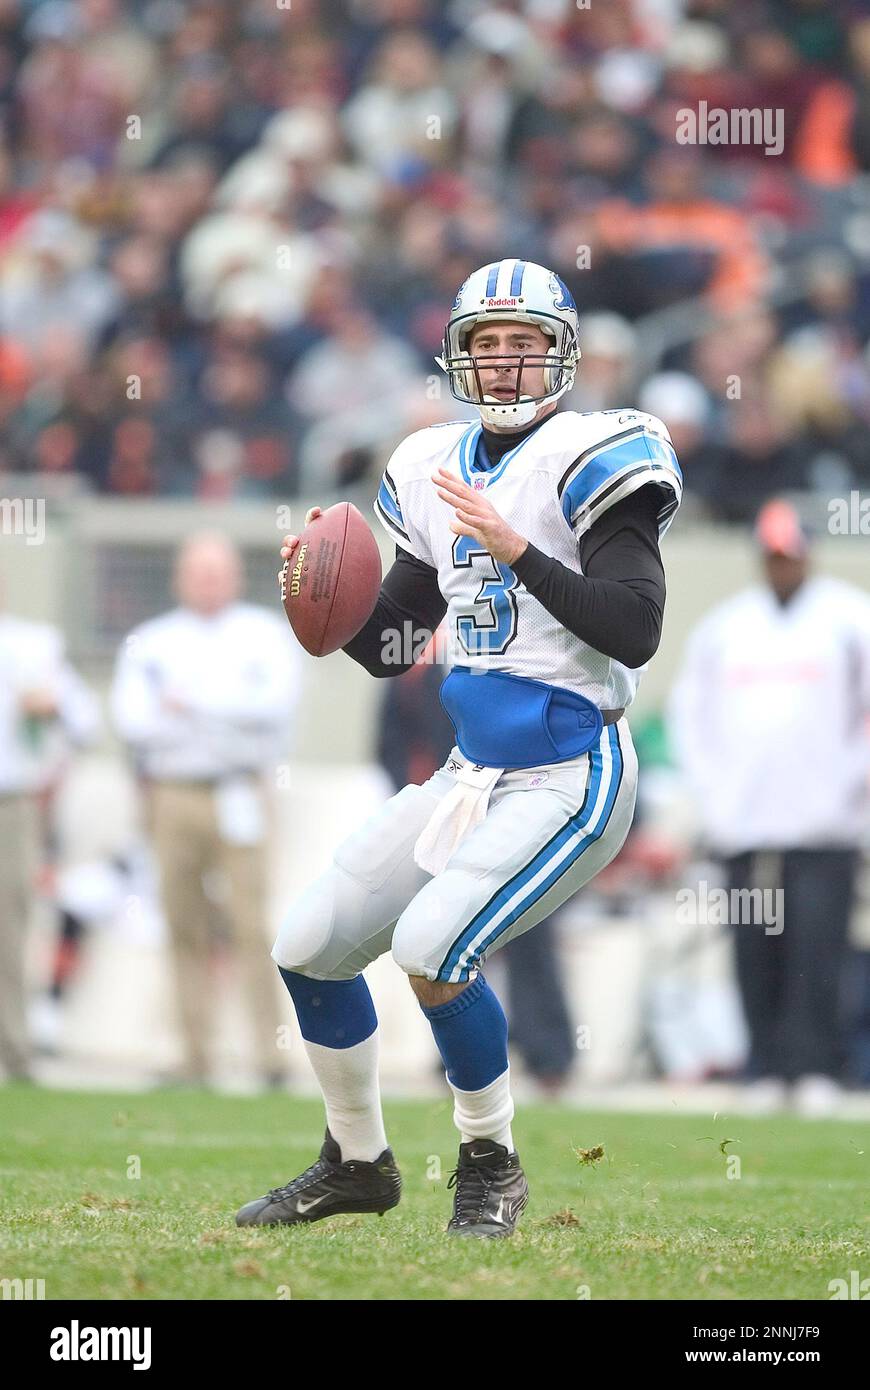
x: 516, y: 413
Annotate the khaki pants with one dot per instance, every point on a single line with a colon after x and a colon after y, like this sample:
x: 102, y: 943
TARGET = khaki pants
x: 18, y: 826
x: 188, y: 845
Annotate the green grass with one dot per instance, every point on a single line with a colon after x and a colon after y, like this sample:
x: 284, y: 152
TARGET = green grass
x: 656, y: 1218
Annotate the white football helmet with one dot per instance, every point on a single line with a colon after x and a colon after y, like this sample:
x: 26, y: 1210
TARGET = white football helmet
x: 521, y: 292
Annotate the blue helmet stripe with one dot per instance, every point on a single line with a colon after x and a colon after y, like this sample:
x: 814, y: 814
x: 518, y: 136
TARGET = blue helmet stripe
x: 517, y: 278
x: 491, y: 281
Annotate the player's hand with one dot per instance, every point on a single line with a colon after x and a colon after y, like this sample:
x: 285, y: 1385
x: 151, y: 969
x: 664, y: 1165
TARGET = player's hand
x: 478, y: 518
x: 290, y: 542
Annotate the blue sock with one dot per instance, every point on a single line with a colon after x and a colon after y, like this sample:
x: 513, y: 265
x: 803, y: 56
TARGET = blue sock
x: 334, y: 1013
x: 471, y: 1034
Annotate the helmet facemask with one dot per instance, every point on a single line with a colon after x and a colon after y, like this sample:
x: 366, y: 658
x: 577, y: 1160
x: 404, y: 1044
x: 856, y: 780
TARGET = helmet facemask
x: 464, y: 369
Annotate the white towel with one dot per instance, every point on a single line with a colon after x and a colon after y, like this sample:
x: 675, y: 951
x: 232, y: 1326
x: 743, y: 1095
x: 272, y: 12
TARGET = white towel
x: 457, y: 813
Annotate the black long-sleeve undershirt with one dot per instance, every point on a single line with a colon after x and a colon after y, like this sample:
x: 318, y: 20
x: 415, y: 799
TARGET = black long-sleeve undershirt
x: 409, y: 595
x: 616, y: 605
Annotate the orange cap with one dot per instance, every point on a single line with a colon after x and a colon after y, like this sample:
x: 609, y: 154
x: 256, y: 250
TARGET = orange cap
x: 779, y: 530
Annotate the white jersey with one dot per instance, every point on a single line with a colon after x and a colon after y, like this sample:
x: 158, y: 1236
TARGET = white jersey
x: 550, y: 488
x: 34, y: 752
x: 768, y: 718
x: 202, y: 697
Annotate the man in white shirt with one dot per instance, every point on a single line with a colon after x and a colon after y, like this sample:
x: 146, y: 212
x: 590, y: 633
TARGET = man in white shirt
x: 769, y: 721
x: 44, y: 705
x: 204, y: 697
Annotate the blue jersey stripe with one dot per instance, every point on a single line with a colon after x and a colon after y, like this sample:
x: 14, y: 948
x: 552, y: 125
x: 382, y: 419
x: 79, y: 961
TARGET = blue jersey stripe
x: 392, y: 526
x: 643, y: 449
x: 470, y: 461
x: 389, y: 503
x: 467, y: 449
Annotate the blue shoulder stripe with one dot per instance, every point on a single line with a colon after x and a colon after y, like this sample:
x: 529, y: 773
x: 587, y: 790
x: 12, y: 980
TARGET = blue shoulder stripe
x: 604, y: 462
x: 393, y: 527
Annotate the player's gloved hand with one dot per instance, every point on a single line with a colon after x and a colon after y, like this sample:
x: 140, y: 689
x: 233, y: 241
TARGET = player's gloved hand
x: 291, y: 542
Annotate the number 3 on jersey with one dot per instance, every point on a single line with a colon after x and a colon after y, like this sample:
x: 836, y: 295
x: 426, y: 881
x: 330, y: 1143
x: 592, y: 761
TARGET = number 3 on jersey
x: 492, y: 626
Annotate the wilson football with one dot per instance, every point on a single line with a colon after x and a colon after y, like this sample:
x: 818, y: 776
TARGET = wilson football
x: 330, y: 584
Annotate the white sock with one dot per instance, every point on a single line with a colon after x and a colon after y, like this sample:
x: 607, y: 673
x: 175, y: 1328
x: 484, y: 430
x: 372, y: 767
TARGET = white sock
x: 485, y: 1114
x: 348, y: 1078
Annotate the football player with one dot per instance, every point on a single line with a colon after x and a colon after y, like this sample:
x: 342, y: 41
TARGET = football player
x: 537, y: 533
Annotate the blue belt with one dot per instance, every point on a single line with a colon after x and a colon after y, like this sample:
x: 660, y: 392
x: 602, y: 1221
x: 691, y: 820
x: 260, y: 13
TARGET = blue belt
x: 508, y: 721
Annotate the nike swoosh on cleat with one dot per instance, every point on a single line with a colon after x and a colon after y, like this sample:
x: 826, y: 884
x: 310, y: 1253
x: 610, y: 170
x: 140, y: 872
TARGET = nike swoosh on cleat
x: 303, y: 1207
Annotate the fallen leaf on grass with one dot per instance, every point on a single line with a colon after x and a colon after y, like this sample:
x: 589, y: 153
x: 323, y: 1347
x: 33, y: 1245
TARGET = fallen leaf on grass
x: 94, y: 1201
x: 589, y: 1156
x: 562, y: 1218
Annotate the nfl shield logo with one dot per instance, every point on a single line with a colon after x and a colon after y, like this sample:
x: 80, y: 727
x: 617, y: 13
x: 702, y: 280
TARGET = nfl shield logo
x: 479, y: 484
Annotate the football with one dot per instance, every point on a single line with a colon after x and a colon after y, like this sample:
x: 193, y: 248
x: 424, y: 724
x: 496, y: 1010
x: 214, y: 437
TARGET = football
x: 330, y: 584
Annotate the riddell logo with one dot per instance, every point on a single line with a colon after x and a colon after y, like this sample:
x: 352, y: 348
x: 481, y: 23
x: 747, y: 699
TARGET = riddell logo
x: 500, y: 303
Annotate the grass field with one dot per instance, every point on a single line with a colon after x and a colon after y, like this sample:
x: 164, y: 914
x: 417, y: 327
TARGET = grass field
x: 656, y: 1217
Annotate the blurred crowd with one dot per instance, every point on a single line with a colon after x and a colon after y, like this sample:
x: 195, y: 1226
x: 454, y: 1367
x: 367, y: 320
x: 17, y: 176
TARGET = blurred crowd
x: 230, y: 233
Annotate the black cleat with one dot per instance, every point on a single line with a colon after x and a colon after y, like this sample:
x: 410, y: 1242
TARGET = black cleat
x: 327, y: 1188
x: 491, y: 1190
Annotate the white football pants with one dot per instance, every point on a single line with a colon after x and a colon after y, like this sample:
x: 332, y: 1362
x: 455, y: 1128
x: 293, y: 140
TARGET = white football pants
x: 546, y: 832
